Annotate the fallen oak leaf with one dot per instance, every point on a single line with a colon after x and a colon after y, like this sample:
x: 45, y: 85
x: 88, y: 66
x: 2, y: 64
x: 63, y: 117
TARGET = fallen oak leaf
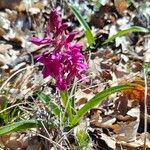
x: 120, y: 5
x: 137, y: 93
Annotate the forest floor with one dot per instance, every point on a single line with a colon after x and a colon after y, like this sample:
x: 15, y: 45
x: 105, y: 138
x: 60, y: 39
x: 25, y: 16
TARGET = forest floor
x: 120, y: 121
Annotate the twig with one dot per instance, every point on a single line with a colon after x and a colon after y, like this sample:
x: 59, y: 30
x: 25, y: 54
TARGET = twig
x: 4, y: 84
x: 10, y: 107
x: 50, y: 136
x: 145, y: 106
x: 51, y: 141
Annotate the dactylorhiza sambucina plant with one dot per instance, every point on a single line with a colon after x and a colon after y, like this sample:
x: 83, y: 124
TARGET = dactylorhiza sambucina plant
x: 64, y: 62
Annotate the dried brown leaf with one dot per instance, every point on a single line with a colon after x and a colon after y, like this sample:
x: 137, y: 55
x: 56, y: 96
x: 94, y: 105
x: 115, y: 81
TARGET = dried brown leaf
x: 120, y: 5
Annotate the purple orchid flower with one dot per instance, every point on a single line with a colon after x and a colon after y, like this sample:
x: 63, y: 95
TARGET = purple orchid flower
x: 65, y: 61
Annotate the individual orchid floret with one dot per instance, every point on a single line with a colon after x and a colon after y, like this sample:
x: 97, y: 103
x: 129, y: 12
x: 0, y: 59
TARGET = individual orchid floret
x: 54, y: 22
x: 42, y: 41
x: 54, y: 25
x: 74, y: 62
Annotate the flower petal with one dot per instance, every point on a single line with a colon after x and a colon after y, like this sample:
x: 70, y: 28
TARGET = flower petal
x: 40, y: 41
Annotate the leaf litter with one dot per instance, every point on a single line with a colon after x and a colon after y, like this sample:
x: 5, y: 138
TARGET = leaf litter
x: 117, y: 123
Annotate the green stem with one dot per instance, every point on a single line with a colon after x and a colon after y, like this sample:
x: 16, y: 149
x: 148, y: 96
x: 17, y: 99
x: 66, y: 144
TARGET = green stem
x: 66, y: 103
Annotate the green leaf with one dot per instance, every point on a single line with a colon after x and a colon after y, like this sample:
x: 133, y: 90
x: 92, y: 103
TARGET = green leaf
x: 17, y: 126
x: 83, y: 23
x: 126, y: 31
x: 97, y: 99
x: 50, y: 104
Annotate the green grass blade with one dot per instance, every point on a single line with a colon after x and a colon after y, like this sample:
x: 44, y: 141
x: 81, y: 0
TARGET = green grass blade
x: 50, y: 105
x: 17, y: 126
x: 126, y: 31
x: 97, y: 99
x: 83, y: 23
